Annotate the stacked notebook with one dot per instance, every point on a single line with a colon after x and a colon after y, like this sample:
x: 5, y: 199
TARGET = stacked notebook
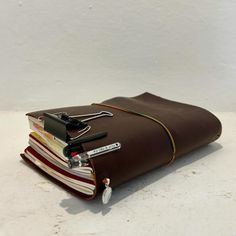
x: 46, y: 152
x: 97, y: 147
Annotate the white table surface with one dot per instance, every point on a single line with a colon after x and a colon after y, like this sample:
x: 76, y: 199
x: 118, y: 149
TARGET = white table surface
x: 196, y: 195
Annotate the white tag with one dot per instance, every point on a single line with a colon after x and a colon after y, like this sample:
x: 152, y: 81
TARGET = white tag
x: 106, y: 195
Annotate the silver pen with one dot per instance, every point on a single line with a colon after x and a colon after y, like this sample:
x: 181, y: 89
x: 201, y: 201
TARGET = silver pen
x: 82, y: 158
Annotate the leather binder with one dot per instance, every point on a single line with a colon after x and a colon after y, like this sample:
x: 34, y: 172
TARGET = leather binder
x: 152, y: 131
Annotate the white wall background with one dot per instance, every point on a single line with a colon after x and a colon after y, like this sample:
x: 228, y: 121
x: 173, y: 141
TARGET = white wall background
x: 56, y: 53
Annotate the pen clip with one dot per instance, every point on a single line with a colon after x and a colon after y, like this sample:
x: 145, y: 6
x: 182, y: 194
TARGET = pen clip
x: 74, y: 145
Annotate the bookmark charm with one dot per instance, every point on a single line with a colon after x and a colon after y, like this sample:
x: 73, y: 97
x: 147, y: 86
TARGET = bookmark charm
x: 106, y: 195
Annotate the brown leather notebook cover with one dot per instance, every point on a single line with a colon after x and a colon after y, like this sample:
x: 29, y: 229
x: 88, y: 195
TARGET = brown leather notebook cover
x: 153, y: 131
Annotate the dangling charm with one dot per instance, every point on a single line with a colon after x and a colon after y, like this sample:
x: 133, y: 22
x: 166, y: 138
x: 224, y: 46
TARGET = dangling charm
x: 106, y: 195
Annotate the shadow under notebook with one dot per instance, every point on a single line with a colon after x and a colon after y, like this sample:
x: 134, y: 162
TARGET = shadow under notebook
x: 74, y: 205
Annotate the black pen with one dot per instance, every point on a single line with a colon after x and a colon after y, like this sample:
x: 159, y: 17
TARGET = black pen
x: 74, y: 145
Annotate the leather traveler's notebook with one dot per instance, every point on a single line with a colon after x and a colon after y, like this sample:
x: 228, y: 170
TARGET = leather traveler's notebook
x: 151, y: 130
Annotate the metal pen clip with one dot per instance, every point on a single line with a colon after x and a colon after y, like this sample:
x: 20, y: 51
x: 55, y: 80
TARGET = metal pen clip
x: 82, y: 158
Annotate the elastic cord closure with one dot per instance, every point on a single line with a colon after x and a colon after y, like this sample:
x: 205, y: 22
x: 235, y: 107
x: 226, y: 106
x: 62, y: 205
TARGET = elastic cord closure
x: 150, y: 118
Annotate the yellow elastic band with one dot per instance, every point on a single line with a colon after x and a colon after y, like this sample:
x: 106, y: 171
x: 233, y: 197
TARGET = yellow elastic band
x: 150, y: 118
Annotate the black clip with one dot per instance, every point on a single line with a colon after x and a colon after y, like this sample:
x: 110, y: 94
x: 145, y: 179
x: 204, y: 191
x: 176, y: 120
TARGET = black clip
x: 59, y: 125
